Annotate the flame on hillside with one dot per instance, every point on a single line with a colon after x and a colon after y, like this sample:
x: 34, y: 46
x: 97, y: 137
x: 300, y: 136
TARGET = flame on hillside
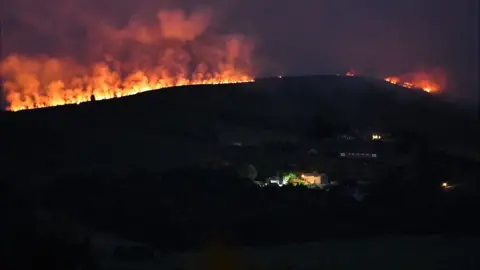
x: 431, y: 82
x: 177, y: 50
x: 427, y: 86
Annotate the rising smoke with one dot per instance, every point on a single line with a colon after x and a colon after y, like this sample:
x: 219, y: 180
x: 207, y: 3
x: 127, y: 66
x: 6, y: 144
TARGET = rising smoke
x: 65, y: 51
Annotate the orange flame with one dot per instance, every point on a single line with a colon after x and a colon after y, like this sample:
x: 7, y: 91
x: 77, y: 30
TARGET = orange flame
x: 350, y: 73
x: 29, y: 87
x: 131, y: 60
x: 422, y: 81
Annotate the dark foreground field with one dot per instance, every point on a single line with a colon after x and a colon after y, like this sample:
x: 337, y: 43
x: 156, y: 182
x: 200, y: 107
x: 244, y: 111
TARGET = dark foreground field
x: 389, y: 252
x: 217, y: 219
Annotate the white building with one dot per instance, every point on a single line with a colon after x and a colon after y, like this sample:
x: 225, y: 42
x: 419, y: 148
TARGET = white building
x: 316, y: 180
x: 358, y: 155
x: 276, y: 180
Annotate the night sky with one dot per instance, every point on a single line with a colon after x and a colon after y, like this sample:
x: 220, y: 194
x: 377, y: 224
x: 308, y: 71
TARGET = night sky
x: 373, y: 37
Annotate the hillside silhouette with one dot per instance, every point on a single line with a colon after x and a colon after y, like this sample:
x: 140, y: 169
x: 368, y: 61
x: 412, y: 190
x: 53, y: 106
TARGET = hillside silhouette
x: 161, y: 167
x: 158, y: 127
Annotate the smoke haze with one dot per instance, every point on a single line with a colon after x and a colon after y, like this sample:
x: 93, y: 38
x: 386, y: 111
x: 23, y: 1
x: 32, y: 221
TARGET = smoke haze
x: 70, y: 50
x: 377, y: 38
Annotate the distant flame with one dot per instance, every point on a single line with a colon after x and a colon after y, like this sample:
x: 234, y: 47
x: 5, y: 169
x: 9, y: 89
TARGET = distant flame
x: 431, y: 82
x: 426, y: 85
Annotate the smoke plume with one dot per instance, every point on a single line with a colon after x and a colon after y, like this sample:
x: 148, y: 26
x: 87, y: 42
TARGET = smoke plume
x: 63, y: 52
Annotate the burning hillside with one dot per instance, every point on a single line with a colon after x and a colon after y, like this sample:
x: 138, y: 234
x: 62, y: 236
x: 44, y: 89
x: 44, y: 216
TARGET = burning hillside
x: 431, y: 82
x: 427, y: 86
x: 176, y: 50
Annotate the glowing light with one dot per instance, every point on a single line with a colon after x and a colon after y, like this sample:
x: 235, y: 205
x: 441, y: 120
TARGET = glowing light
x: 446, y: 185
x: 127, y: 60
x: 427, y: 85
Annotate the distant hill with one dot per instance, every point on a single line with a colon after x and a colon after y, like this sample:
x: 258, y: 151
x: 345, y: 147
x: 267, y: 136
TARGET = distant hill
x: 173, y: 126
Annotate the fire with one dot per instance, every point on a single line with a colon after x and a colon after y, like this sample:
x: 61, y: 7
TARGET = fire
x: 350, y: 73
x: 393, y: 80
x: 175, y: 51
x: 430, y: 82
x: 29, y: 87
x: 419, y: 81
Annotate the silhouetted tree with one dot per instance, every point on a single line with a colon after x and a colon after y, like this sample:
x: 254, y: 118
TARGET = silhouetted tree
x: 247, y: 171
